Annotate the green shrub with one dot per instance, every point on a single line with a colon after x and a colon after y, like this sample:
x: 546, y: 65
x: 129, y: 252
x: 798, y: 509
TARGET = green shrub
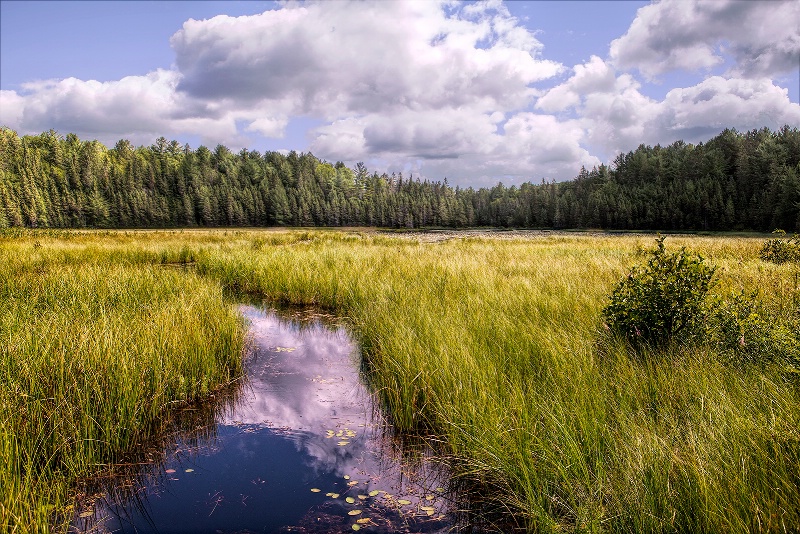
x: 781, y: 249
x: 662, y: 300
x: 743, y: 330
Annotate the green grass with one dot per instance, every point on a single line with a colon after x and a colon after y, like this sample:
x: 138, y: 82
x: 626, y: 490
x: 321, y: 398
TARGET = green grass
x: 489, y: 344
x: 93, y: 351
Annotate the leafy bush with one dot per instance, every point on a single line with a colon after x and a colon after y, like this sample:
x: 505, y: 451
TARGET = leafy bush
x: 662, y: 300
x: 742, y: 329
x: 781, y: 249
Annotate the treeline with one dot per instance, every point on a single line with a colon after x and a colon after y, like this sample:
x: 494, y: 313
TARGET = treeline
x: 735, y: 181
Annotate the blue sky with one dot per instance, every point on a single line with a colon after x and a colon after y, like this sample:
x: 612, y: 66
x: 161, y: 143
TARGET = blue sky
x: 473, y: 91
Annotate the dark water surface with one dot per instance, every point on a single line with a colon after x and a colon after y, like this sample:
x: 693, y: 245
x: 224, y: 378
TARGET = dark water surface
x: 302, y: 421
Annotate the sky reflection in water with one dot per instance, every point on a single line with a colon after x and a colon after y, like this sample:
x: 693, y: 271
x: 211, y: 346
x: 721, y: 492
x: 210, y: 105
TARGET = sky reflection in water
x: 303, y: 421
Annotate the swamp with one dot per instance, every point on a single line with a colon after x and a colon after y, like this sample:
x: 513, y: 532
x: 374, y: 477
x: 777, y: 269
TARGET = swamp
x: 483, y: 366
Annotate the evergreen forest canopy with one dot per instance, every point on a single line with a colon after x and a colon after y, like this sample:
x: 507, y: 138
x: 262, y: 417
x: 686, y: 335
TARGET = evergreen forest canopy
x: 735, y: 181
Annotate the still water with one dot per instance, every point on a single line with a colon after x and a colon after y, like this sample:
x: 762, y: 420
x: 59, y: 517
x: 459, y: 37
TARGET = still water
x: 299, y: 447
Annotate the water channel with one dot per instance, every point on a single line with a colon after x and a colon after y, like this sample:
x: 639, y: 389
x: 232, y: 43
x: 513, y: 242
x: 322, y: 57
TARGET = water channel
x: 299, y: 446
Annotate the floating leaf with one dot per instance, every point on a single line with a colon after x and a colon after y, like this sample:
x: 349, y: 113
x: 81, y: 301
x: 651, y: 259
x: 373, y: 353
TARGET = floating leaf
x: 315, y: 490
x: 189, y: 470
x: 343, y: 443
x: 346, y: 477
x: 363, y: 520
x: 429, y: 512
x: 329, y: 494
x: 373, y: 493
x: 170, y: 471
x: 352, y: 483
x: 403, y: 501
x: 427, y: 508
x: 354, y: 512
x: 356, y: 527
x: 440, y: 490
x: 334, y: 495
x: 86, y: 514
x: 362, y: 497
x: 429, y: 497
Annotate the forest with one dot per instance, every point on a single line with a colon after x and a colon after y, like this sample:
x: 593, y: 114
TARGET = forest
x: 735, y: 181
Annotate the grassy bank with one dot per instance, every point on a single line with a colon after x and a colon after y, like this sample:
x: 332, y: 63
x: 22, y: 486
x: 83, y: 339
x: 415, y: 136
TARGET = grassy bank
x: 94, y: 347
x: 493, y: 345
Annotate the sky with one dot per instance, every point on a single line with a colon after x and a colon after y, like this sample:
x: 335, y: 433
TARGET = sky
x: 475, y: 92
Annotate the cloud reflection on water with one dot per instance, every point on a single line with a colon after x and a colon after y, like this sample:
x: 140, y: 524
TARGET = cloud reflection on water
x: 303, y: 380
x: 274, y: 444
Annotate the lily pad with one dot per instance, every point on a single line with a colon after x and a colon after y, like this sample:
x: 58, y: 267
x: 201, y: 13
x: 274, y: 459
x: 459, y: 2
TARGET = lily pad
x: 356, y: 527
x: 403, y: 501
x: 373, y: 493
x: 350, y: 500
x: 315, y: 490
x: 354, y: 512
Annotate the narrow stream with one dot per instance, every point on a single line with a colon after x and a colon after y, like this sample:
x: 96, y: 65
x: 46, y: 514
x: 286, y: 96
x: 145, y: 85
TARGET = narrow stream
x: 300, y: 447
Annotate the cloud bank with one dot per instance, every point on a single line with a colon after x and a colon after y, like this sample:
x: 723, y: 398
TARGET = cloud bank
x: 762, y: 37
x: 438, y: 88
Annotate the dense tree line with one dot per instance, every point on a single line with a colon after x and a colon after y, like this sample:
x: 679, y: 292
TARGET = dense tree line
x: 734, y: 181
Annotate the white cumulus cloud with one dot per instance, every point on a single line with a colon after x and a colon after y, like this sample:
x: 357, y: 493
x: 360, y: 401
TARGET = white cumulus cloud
x: 618, y: 117
x: 717, y: 103
x: 332, y: 59
x: 762, y: 36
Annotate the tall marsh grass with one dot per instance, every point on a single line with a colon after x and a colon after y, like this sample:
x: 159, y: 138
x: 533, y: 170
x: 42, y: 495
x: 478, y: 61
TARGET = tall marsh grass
x: 492, y: 345
x: 489, y: 344
x: 93, y: 351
